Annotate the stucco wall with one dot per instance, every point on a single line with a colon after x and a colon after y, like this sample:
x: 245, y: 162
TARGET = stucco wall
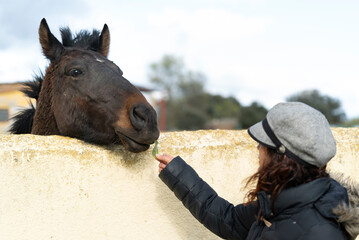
x: 61, y: 188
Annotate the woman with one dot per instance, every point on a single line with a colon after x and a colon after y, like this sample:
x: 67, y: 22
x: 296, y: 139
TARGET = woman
x: 294, y: 197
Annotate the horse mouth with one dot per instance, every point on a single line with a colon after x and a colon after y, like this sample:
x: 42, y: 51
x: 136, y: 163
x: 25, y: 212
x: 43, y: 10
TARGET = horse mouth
x: 130, y: 144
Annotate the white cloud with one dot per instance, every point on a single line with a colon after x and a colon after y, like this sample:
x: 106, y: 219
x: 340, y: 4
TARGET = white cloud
x: 210, y: 24
x: 210, y: 40
x: 20, y: 63
x: 203, y: 31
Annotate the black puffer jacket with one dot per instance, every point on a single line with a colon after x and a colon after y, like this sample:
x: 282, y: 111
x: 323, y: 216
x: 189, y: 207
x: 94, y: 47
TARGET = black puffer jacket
x: 304, y: 212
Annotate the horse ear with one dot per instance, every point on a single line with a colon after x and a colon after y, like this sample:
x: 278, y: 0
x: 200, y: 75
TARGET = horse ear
x: 105, y: 41
x: 51, y: 47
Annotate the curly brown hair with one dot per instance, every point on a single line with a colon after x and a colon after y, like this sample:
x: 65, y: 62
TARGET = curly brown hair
x: 278, y: 173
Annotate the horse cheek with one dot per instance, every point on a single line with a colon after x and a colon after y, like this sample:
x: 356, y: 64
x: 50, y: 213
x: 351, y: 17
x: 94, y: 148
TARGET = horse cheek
x: 65, y: 115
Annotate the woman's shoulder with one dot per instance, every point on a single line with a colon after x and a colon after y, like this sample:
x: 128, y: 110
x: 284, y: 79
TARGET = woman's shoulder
x: 326, y: 230
x: 312, y: 209
x: 308, y: 224
x: 340, y: 205
x: 348, y: 214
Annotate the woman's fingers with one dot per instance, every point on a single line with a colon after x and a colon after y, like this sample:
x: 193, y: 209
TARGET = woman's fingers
x: 164, y: 158
x: 161, y: 166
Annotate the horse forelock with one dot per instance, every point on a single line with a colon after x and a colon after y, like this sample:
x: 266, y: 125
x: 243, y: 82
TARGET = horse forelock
x: 83, y: 39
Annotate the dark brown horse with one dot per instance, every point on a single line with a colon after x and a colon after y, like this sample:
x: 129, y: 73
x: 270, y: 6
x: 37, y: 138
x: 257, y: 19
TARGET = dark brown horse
x: 84, y: 95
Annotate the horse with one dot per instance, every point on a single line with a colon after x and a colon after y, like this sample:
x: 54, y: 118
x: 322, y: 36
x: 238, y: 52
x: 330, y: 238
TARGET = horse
x: 84, y: 95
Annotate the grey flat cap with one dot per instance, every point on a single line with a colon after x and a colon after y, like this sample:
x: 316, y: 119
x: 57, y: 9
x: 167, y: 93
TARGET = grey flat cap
x: 297, y: 130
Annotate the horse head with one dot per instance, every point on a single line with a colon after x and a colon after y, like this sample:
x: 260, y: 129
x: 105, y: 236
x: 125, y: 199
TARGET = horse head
x: 84, y: 95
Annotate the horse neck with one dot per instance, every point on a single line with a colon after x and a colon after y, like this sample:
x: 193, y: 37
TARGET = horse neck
x: 44, y: 122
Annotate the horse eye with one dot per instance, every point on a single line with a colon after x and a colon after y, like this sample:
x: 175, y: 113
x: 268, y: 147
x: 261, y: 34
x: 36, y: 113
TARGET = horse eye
x: 75, y: 72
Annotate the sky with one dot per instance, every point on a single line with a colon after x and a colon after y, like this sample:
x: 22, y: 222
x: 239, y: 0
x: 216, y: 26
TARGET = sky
x: 253, y: 50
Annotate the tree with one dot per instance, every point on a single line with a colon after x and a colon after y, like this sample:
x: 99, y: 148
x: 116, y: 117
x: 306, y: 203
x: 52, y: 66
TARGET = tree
x: 252, y: 114
x: 185, y: 90
x: 352, y: 123
x: 168, y: 74
x: 187, y: 117
x: 330, y: 107
x: 189, y: 106
x: 218, y: 106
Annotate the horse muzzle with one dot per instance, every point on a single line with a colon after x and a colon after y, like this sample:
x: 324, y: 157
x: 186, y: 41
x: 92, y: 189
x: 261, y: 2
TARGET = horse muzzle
x: 142, y: 130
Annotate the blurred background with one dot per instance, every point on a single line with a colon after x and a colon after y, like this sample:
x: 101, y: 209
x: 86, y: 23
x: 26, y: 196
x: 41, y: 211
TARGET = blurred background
x: 203, y: 64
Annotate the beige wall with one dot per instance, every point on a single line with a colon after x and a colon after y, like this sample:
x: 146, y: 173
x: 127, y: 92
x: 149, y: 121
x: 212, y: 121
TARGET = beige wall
x: 61, y: 188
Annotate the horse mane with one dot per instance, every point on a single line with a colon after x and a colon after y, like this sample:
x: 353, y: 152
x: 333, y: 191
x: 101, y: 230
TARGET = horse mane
x: 22, y: 121
x: 32, y: 88
x: 83, y: 39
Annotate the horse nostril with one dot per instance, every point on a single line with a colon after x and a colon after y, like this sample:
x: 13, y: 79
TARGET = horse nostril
x: 138, y: 116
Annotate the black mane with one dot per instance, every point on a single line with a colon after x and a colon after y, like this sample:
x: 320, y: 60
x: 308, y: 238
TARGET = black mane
x: 84, y: 39
x: 32, y: 88
x: 22, y: 121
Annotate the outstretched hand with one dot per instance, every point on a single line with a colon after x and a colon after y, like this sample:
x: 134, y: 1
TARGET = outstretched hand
x: 164, y: 159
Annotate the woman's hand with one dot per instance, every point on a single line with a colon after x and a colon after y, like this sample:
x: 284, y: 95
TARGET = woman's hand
x: 164, y: 159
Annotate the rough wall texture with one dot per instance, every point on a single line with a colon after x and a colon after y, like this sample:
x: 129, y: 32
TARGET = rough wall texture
x: 61, y: 188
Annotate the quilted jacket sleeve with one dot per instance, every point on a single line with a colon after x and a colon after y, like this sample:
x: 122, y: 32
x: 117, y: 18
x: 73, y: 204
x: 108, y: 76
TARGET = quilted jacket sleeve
x: 215, y: 213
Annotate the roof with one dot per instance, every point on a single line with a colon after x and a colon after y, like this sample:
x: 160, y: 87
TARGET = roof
x: 144, y: 89
x: 10, y: 87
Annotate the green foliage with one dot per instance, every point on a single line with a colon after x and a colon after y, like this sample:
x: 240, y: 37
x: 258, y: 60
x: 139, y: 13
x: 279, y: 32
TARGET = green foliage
x: 155, y: 149
x: 352, y: 123
x: 330, y: 107
x: 222, y: 107
x: 191, y: 85
x: 189, y: 106
x: 167, y: 74
x: 190, y: 118
x: 252, y: 114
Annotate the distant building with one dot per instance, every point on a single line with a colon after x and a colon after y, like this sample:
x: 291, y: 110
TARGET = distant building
x: 158, y: 101
x: 12, y: 100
